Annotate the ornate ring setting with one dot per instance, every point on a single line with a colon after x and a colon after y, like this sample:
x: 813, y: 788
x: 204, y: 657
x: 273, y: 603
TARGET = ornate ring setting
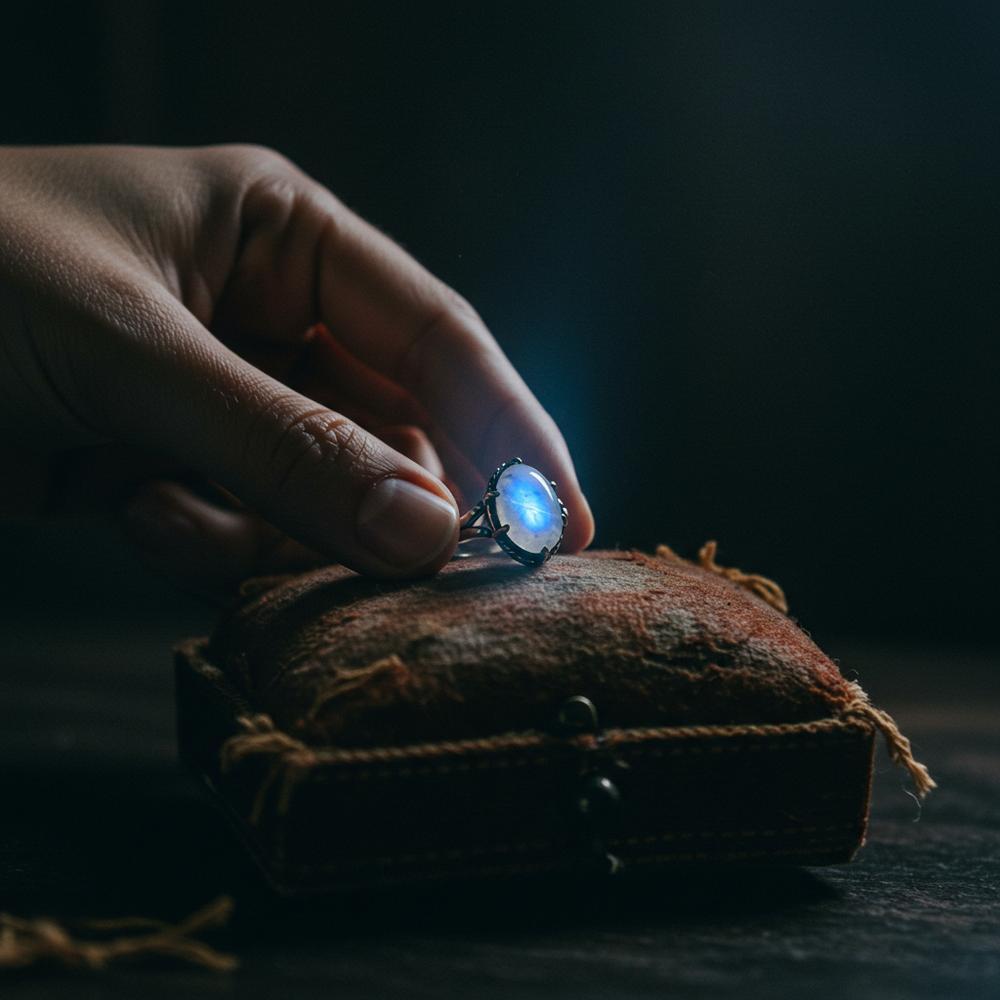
x: 521, y: 512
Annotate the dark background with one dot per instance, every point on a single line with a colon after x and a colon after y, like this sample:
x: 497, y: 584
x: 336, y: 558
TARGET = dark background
x: 745, y: 254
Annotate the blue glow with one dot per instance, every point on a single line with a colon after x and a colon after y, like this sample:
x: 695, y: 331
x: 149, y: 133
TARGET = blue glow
x: 531, y: 496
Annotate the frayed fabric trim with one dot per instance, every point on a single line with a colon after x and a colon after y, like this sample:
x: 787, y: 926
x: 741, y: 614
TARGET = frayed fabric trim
x: 292, y: 760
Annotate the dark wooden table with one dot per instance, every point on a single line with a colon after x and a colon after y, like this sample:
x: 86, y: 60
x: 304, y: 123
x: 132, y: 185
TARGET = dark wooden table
x: 96, y: 819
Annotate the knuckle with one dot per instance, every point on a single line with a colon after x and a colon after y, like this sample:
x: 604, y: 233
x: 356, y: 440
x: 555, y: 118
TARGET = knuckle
x: 250, y: 173
x: 311, y: 444
x: 454, y: 330
x: 462, y: 307
x: 248, y: 156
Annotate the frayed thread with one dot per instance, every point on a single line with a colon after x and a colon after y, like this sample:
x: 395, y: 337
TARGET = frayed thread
x: 859, y: 707
x: 765, y: 588
x: 899, y: 747
x: 291, y: 759
x: 348, y: 681
x: 25, y: 942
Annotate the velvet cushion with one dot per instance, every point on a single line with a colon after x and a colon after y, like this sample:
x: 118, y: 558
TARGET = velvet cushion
x: 489, y: 646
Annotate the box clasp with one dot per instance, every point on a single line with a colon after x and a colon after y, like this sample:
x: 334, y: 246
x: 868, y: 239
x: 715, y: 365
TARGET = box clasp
x: 594, y: 804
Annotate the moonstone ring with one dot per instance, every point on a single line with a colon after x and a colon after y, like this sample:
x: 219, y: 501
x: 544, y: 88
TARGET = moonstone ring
x: 521, y: 512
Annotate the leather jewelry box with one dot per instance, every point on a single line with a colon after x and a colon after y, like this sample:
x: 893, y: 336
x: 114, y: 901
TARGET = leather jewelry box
x: 602, y: 711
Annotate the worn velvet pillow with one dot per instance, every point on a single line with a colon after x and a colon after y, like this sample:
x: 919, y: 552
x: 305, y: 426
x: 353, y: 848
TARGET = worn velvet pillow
x: 611, y: 709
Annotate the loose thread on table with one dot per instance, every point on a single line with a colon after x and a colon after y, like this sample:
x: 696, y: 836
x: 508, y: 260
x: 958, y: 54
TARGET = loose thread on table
x: 27, y: 941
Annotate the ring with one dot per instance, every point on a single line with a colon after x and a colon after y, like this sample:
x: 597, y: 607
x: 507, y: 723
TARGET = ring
x: 521, y: 512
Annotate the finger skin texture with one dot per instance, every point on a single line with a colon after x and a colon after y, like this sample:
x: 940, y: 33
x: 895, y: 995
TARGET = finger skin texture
x: 219, y: 309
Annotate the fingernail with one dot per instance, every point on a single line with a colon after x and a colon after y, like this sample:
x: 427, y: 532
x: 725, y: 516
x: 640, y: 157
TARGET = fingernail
x: 404, y: 525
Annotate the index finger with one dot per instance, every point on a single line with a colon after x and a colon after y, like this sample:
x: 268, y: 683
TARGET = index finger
x: 398, y: 318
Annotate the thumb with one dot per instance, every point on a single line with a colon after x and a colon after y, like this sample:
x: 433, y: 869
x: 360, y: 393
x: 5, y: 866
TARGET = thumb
x: 317, y: 476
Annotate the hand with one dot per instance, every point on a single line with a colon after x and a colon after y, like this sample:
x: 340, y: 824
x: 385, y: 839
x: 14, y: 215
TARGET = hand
x: 211, y: 339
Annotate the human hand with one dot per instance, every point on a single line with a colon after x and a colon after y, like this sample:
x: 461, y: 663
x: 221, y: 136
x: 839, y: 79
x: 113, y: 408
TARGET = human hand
x: 171, y: 318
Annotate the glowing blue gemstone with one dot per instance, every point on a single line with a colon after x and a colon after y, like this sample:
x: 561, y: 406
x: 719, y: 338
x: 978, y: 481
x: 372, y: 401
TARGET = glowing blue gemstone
x: 528, y: 503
